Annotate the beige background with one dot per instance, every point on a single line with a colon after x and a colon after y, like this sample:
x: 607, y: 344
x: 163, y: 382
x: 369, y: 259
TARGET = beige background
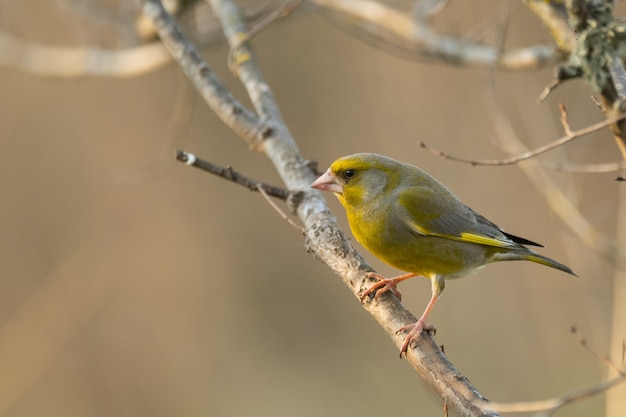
x: 133, y: 285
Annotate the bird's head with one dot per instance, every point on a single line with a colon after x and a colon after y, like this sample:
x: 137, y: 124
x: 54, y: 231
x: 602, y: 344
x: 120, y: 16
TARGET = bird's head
x: 358, y: 178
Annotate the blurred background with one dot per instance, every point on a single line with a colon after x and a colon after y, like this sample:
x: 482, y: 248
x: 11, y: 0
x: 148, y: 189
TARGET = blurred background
x: 134, y: 285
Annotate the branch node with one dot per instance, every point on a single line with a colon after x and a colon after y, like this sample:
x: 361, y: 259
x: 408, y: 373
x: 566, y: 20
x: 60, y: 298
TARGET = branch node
x: 294, y: 199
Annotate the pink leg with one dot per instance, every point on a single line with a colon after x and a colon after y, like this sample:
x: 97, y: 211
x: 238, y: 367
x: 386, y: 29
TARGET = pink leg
x: 386, y: 284
x: 415, y: 329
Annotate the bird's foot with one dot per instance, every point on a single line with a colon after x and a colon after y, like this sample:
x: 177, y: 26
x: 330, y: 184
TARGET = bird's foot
x: 414, y: 330
x: 382, y: 286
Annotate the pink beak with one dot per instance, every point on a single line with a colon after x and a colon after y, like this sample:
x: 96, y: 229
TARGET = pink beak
x: 328, y: 182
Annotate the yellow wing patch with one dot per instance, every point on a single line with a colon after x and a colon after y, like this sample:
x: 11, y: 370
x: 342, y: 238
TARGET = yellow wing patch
x: 466, y: 237
x: 484, y: 240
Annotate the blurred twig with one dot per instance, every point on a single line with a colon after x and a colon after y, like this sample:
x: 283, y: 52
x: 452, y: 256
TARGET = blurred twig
x: 414, y: 35
x: 69, y: 62
x: 285, y: 9
x: 584, y: 168
x: 554, y: 15
x: 545, y: 408
x: 282, y: 214
x: 242, y: 121
x: 554, y: 196
x: 569, y: 136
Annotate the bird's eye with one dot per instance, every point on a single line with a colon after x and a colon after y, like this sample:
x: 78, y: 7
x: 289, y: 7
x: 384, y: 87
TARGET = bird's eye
x: 349, y: 173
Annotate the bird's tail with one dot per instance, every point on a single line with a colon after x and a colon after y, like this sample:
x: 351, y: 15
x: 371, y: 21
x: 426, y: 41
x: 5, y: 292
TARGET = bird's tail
x: 544, y: 260
x: 529, y: 255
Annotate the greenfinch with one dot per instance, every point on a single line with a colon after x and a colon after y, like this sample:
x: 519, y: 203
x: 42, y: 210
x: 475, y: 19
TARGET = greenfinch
x: 414, y: 223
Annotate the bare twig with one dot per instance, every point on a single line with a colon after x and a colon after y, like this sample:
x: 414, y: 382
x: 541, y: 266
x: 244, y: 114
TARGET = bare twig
x: 595, y: 100
x: 548, y: 407
x: 233, y: 114
x: 545, y: 408
x: 584, y: 168
x: 572, y: 135
x: 70, y: 62
x: 284, y: 10
x: 563, y: 73
x: 605, y: 359
x: 567, y: 211
x: 231, y: 175
x: 278, y: 210
x: 416, y: 37
x: 554, y: 16
x: 564, y: 122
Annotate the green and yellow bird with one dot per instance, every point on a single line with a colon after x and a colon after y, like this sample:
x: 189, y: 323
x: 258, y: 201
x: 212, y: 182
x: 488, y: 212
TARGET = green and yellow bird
x: 414, y: 223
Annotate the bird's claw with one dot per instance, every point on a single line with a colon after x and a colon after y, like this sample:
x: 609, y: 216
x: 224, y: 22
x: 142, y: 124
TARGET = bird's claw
x: 414, y: 331
x: 382, y: 286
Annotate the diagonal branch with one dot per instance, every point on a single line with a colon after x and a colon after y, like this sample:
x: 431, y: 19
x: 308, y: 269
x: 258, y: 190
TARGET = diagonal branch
x: 324, y: 239
x: 233, y: 114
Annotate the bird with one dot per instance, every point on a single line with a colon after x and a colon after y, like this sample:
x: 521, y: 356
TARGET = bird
x: 414, y: 223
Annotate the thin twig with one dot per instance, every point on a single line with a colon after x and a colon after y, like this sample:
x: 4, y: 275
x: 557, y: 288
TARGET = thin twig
x: 556, y: 199
x: 564, y: 122
x: 584, y: 168
x: 231, y: 175
x: 545, y: 408
x: 549, y: 406
x: 71, y: 62
x: 529, y: 154
x: 282, y: 214
x: 554, y: 17
x: 284, y: 10
x: 595, y: 100
x: 601, y: 358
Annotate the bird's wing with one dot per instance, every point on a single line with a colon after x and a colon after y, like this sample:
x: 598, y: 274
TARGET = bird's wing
x: 428, y: 214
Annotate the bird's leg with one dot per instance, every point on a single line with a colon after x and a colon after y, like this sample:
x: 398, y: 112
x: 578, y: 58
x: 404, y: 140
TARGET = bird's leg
x: 385, y: 284
x: 415, y: 329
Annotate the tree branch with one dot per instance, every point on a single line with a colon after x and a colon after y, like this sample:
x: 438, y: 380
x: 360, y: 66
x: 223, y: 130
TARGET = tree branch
x: 415, y: 36
x: 243, y: 122
x: 70, y: 62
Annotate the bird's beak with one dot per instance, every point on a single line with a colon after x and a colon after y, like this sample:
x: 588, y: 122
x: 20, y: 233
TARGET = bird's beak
x: 328, y: 182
